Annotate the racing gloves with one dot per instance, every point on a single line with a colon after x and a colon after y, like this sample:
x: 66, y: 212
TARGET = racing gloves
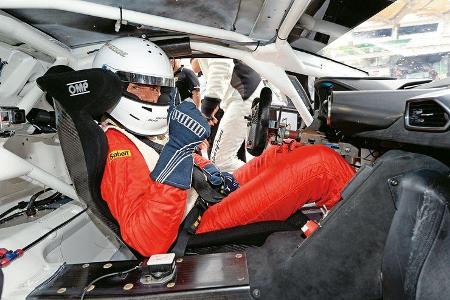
x: 187, y: 129
x: 224, y: 182
x: 209, y: 104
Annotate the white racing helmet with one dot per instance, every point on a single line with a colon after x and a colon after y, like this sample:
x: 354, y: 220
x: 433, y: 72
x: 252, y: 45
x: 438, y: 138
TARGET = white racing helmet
x: 137, y: 60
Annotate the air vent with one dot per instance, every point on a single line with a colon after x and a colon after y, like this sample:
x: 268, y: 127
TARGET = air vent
x: 427, y: 115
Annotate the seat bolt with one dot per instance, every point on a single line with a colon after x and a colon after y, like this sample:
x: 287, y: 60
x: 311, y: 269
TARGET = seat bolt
x: 107, y: 265
x: 256, y: 293
x: 393, y: 182
x: 179, y: 260
x: 239, y: 255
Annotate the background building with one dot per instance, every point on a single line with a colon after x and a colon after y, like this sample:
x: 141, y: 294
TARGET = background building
x: 408, y: 39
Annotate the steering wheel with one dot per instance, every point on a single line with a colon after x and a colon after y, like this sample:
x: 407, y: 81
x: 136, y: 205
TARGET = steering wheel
x: 258, y: 125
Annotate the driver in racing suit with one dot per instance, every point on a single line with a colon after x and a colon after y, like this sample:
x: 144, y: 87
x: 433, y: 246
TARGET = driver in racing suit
x: 149, y: 194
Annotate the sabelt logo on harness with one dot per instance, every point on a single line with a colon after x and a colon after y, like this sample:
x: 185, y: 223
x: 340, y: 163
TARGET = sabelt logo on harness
x: 78, y: 88
x: 119, y: 154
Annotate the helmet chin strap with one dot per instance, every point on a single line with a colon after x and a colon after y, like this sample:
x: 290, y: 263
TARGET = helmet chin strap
x: 131, y: 96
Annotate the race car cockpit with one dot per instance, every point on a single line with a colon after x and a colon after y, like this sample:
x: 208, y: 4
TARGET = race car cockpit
x: 386, y: 238
x: 391, y: 218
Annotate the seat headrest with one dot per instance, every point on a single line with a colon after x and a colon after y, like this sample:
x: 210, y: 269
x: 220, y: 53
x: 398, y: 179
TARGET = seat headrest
x: 92, y: 90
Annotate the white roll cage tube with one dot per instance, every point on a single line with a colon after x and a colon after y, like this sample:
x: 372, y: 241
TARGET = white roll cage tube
x: 334, y: 30
x: 296, y: 10
x: 20, y: 31
x: 113, y: 13
x: 271, y: 60
x: 14, y: 166
x: 35, y: 93
x: 272, y: 72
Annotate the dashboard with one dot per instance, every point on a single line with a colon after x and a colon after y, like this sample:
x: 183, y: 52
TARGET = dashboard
x: 383, y: 109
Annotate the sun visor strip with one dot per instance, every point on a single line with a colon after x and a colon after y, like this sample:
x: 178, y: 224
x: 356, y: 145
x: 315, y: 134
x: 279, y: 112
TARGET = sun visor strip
x: 175, y: 47
x: 145, y: 79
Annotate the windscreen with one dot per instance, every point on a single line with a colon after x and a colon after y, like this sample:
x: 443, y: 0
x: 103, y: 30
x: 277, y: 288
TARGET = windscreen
x: 409, y: 39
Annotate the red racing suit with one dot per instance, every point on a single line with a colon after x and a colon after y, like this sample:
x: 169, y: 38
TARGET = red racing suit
x: 272, y: 187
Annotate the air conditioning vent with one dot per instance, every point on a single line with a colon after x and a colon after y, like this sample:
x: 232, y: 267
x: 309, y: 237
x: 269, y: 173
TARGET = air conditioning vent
x: 427, y: 115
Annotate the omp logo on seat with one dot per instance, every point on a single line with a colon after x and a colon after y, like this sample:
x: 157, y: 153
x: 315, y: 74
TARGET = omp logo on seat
x: 119, y: 154
x: 78, y: 88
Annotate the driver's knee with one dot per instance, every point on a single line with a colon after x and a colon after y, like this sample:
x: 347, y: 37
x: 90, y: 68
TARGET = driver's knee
x: 335, y: 171
x: 299, y: 159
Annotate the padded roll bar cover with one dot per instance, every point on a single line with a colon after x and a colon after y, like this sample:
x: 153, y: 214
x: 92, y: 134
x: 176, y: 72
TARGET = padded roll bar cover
x: 92, y: 90
x: 178, y: 47
x: 257, y: 134
x: 417, y: 250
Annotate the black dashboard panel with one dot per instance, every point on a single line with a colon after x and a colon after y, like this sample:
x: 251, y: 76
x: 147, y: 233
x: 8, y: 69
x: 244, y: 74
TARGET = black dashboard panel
x: 326, y: 85
x: 369, y: 83
x: 366, y: 110
x: 399, y: 134
x: 429, y: 112
x: 357, y: 111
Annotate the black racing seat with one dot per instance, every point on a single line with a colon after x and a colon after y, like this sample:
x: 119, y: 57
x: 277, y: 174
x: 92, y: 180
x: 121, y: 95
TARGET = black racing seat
x: 417, y: 250
x: 81, y: 97
x: 393, y: 220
